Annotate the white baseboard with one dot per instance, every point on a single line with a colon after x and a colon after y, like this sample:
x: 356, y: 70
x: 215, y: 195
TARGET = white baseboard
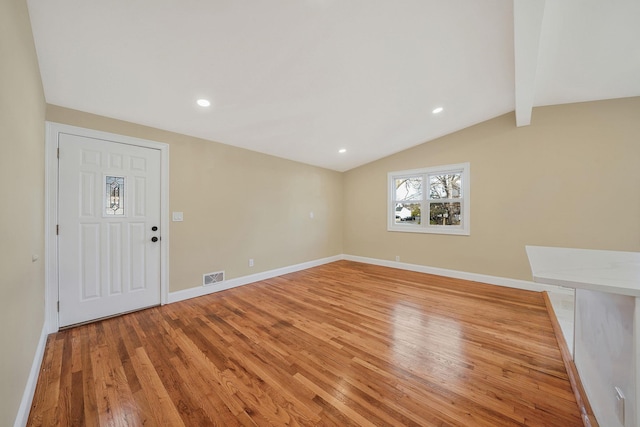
x: 27, y: 396
x: 244, y: 280
x: 475, y: 277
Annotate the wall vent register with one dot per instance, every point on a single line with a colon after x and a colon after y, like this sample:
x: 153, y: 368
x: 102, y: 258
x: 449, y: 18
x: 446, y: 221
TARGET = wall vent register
x: 212, y: 278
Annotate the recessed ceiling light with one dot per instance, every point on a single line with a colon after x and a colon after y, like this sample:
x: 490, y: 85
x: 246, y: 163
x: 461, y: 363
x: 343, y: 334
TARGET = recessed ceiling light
x: 342, y: 150
x: 203, y: 102
x: 437, y: 110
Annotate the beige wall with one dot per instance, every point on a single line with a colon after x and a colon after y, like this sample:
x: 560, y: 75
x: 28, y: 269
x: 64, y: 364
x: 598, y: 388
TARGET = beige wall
x: 570, y: 179
x: 237, y: 204
x: 22, y: 110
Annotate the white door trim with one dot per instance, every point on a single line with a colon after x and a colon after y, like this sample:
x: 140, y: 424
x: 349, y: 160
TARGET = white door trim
x: 53, y: 130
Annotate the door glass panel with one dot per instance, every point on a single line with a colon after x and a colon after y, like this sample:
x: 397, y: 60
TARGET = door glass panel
x: 114, y: 199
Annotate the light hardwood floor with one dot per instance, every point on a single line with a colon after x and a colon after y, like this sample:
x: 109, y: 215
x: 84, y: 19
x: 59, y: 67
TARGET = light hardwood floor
x: 338, y: 345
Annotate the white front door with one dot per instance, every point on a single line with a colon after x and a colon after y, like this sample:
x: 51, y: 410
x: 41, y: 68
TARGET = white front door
x: 109, y: 228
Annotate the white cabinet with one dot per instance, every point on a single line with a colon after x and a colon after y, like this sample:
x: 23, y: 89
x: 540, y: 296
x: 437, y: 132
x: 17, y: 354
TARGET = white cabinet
x: 607, y: 323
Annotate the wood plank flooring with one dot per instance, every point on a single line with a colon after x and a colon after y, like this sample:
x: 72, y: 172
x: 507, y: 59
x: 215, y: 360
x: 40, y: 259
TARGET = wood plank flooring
x: 344, y: 344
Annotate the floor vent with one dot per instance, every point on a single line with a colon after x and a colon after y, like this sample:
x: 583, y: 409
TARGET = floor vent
x: 212, y: 278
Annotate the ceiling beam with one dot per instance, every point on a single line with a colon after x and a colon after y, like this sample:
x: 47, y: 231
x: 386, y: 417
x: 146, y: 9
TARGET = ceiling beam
x: 527, y: 28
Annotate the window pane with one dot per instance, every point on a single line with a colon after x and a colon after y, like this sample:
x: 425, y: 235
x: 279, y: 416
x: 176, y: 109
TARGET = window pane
x: 408, y: 213
x: 445, y: 186
x: 444, y: 213
x: 409, y: 188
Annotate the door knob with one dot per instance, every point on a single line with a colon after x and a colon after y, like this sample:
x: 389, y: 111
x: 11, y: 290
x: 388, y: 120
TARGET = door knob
x: 154, y: 239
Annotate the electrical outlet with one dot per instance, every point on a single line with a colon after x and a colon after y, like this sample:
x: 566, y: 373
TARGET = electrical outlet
x: 397, y: 258
x: 250, y: 262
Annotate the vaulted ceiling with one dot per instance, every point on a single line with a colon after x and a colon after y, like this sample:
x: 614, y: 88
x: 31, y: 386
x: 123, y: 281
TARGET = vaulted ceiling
x: 303, y: 79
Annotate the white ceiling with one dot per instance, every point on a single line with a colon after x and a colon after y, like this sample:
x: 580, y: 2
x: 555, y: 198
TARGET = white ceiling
x: 302, y: 79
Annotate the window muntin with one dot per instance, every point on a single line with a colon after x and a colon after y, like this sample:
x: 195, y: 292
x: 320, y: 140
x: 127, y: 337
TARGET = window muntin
x: 430, y: 200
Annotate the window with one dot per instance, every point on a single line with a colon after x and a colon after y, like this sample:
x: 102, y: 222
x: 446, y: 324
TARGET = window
x: 430, y: 200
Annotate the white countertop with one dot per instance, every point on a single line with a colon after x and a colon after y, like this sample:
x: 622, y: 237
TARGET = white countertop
x: 604, y: 271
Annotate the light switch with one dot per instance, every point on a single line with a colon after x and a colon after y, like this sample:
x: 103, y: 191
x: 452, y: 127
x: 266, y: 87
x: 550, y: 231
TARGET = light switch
x: 177, y: 216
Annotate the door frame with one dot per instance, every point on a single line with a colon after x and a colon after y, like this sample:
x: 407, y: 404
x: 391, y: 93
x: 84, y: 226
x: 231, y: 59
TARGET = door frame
x: 53, y: 130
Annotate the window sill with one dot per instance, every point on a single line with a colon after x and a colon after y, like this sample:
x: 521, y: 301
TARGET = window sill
x: 429, y: 230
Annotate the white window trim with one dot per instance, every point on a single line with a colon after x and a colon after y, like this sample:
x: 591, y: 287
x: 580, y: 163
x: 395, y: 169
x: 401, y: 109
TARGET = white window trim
x: 464, y: 229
